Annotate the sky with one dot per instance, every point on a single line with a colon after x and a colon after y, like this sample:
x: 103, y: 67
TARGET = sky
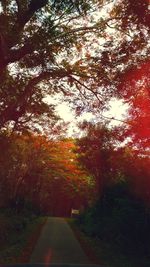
x: 118, y: 111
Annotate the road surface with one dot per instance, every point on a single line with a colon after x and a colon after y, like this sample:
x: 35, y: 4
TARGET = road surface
x: 57, y: 244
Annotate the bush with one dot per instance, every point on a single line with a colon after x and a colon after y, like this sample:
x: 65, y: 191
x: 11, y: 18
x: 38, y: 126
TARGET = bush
x: 119, y: 218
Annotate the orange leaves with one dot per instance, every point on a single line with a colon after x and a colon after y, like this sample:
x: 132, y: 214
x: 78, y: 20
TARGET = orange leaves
x: 42, y: 171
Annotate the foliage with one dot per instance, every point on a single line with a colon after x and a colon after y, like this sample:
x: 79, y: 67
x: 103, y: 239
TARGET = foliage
x: 66, y: 48
x: 85, y: 52
x: 97, y: 153
x: 120, y: 219
x: 101, y: 153
x: 40, y: 172
x: 15, y: 231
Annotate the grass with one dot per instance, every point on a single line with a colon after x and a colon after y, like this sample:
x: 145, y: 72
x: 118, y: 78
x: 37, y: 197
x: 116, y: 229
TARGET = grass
x: 87, y: 244
x: 18, y: 237
x: 104, y: 253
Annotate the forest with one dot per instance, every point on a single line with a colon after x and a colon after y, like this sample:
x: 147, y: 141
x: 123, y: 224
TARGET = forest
x: 82, y: 53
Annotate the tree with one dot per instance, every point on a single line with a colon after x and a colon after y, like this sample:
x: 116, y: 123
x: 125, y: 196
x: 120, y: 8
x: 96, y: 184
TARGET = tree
x: 71, y: 186
x: 96, y: 150
x: 31, y: 39
x: 42, y: 172
x: 46, y: 49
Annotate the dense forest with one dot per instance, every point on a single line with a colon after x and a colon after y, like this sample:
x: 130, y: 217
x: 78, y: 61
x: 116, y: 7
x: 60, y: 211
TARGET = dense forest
x: 83, y: 53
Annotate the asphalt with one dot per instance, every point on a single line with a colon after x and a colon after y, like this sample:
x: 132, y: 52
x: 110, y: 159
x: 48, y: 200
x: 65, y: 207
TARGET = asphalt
x: 58, y: 245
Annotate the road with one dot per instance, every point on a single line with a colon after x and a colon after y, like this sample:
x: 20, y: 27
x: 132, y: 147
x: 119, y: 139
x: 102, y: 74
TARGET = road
x: 57, y: 244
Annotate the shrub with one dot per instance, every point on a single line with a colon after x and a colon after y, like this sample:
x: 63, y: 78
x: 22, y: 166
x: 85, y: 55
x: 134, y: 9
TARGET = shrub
x: 119, y: 218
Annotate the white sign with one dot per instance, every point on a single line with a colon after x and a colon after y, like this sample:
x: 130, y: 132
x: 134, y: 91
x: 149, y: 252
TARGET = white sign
x: 75, y: 212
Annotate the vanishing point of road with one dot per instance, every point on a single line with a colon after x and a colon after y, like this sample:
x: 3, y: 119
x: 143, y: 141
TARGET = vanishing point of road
x: 57, y: 244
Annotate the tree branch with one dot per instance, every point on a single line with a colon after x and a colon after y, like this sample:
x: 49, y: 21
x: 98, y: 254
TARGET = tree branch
x: 3, y: 50
x: 89, y: 89
x: 17, y: 54
x: 58, y: 73
x: 18, y: 6
x: 15, y: 110
x: 113, y: 118
x: 87, y: 29
x: 24, y: 17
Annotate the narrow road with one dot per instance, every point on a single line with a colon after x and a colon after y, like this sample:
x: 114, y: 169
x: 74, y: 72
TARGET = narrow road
x: 57, y: 244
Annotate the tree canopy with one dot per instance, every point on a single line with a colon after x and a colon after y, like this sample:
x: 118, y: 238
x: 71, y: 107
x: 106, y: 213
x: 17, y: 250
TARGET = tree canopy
x: 78, y: 49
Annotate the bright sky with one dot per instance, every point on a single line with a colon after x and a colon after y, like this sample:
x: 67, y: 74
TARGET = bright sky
x: 117, y: 110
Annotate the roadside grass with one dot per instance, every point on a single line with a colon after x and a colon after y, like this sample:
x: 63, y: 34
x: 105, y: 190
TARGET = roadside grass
x: 104, y: 253
x: 86, y: 242
x: 18, y: 236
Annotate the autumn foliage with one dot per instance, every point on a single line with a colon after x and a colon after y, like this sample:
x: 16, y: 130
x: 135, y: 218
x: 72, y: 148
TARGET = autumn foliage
x: 42, y: 173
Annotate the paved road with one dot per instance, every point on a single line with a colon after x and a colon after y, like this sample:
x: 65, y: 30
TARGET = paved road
x: 57, y: 244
